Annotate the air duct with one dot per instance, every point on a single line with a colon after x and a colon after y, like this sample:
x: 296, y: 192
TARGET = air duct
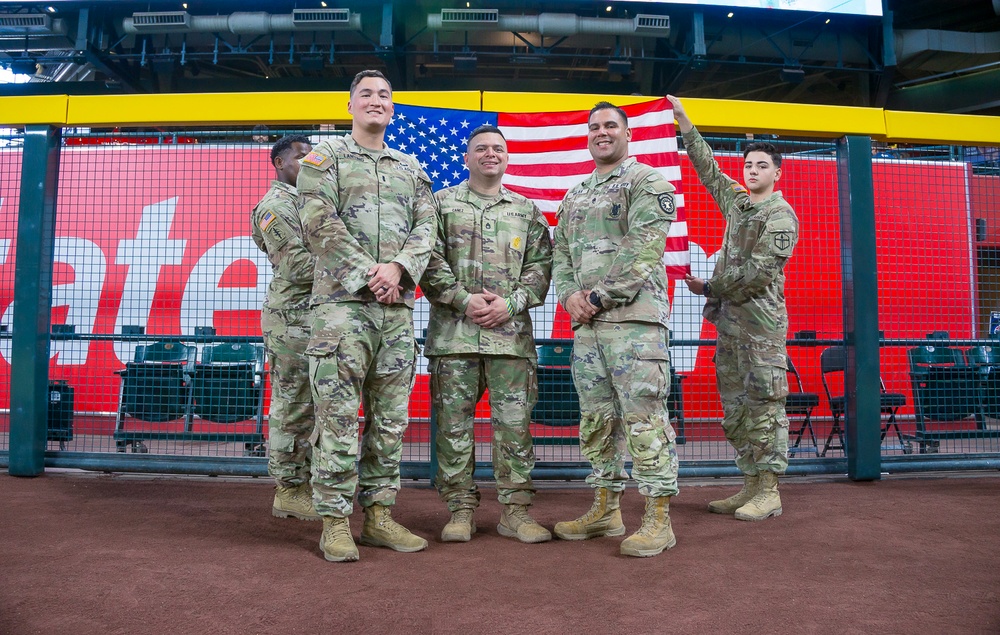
x: 243, y: 22
x: 549, y: 24
x: 913, y: 42
x: 30, y: 24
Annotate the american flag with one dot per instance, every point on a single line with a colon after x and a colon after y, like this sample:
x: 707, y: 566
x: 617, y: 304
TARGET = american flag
x: 548, y: 154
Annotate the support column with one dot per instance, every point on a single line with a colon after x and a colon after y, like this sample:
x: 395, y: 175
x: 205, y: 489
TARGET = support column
x: 862, y: 386
x: 29, y: 391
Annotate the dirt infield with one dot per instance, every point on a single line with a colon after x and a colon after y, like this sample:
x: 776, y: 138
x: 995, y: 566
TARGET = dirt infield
x: 86, y: 553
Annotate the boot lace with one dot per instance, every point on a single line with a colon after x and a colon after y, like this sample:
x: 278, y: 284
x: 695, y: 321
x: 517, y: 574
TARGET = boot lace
x: 519, y: 514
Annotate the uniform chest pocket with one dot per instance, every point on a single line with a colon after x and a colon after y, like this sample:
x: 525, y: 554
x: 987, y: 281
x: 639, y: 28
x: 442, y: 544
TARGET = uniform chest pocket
x: 745, y: 239
x: 509, y: 232
x: 614, y: 205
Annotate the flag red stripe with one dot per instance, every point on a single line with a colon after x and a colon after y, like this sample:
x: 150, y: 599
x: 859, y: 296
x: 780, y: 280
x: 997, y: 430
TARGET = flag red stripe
x: 552, y: 169
x: 542, y: 119
x: 646, y: 133
x: 538, y: 194
x: 535, y: 124
x: 677, y: 243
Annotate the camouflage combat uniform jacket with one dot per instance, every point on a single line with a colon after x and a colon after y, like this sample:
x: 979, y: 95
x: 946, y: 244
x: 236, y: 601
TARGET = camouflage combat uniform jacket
x: 746, y: 293
x: 500, y: 245
x: 276, y: 230
x: 610, y: 236
x: 351, y: 226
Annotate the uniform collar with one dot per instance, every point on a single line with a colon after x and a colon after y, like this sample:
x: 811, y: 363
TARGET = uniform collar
x: 357, y: 148
x: 285, y: 187
x: 466, y: 195
x: 776, y: 194
x: 597, y: 178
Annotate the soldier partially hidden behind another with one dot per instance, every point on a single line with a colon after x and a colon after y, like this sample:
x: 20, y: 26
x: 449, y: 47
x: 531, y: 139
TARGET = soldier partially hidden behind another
x: 746, y: 302
x: 491, y: 264
x: 284, y: 321
x: 609, y: 274
x: 369, y: 217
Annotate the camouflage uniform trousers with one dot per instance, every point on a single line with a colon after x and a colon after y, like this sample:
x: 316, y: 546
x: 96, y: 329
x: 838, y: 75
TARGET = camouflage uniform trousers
x: 359, y: 349
x: 622, y: 374
x: 291, y: 420
x: 457, y: 384
x: 753, y: 389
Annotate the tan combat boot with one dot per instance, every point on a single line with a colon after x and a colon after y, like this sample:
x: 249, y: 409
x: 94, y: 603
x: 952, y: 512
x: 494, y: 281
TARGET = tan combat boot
x: 380, y: 530
x: 765, y: 503
x: 737, y: 500
x: 296, y: 502
x: 461, y: 526
x: 603, y: 519
x: 655, y: 534
x: 336, y: 543
x: 516, y: 523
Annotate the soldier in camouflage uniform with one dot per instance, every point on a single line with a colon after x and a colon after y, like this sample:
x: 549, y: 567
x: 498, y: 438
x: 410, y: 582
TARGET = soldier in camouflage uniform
x: 276, y: 230
x: 369, y: 217
x: 746, y: 302
x: 609, y: 274
x: 492, y: 262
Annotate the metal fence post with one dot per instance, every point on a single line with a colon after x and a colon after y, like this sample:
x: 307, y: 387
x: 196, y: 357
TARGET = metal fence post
x: 862, y: 386
x: 33, y: 300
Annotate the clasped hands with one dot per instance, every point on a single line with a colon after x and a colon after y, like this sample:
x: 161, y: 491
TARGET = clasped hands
x: 580, y: 308
x: 384, y: 282
x: 487, y: 309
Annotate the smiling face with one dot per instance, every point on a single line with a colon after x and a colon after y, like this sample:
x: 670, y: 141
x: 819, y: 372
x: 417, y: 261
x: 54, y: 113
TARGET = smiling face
x: 607, y: 139
x: 760, y: 174
x: 371, y: 104
x: 486, y: 157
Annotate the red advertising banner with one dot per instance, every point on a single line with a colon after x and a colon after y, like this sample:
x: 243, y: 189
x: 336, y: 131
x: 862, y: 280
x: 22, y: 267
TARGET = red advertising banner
x: 158, y: 237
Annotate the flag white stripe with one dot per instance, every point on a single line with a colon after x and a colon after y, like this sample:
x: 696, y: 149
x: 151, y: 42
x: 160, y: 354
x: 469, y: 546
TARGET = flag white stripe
x: 676, y: 258
x: 671, y: 173
x: 649, y: 146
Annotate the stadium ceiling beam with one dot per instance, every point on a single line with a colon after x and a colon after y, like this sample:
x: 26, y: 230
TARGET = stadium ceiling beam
x: 114, y: 70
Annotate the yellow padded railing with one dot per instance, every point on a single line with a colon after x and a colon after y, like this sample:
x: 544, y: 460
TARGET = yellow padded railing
x: 805, y: 120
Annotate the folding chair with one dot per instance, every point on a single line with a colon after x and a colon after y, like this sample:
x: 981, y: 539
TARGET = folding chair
x: 833, y: 362
x: 800, y: 404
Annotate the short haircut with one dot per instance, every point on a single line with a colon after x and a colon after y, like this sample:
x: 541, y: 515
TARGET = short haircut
x: 368, y: 73
x: 607, y: 105
x: 483, y: 129
x: 766, y: 148
x: 284, y: 143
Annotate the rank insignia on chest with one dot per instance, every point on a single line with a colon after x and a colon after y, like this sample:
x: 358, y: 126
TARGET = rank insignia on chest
x: 616, y: 211
x: 517, y: 242
x: 266, y: 220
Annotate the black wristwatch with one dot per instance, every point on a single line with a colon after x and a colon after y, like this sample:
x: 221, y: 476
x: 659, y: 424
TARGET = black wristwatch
x: 596, y: 300
x: 706, y: 290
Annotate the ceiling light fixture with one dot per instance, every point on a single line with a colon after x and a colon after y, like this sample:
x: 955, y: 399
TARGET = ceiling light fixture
x: 608, y: 8
x: 730, y: 14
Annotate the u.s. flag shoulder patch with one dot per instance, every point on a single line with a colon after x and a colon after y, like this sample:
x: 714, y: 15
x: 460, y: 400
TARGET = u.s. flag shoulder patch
x: 315, y: 159
x: 266, y: 220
